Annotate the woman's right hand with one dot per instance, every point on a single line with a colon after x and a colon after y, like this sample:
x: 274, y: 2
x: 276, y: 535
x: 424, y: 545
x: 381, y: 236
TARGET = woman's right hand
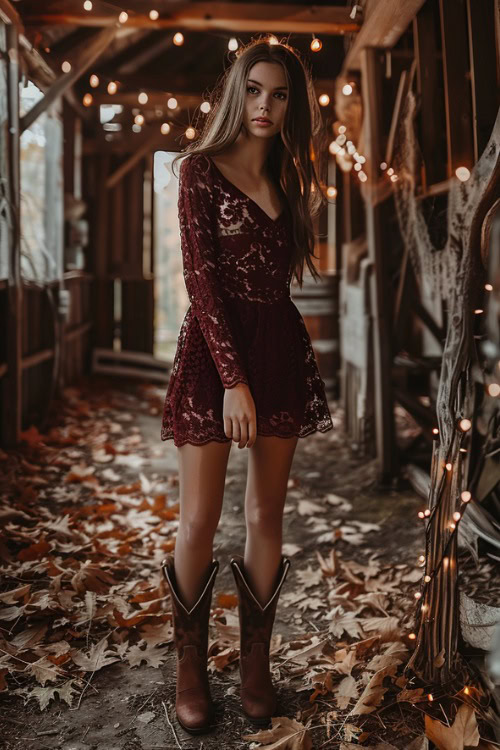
x: 240, y: 421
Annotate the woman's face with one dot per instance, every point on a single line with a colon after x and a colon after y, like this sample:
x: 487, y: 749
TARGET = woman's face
x: 266, y: 96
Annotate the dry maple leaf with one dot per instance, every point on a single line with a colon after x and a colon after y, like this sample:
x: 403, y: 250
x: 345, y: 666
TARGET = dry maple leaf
x: 44, y: 695
x: 462, y: 732
x: 98, y: 657
x: 44, y: 670
x: 309, y: 577
x: 286, y: 734
x: 92, y: 577
x: 154, y: 657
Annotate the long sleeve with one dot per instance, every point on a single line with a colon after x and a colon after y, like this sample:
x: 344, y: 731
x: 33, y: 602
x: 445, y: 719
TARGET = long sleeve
x: 198, y: 243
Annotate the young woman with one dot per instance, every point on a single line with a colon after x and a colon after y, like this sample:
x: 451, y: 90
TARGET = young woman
x: 244, y: 369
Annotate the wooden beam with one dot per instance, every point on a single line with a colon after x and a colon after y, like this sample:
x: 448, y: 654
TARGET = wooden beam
x: 371, y: 84
x: 156, y: 140
x: 457, y: 88
x: 237, y: 17
x: 84, y: 58
x: 12, y: 382
x: 482, y: 51
x: 387, y: 21
x: 9, y: 15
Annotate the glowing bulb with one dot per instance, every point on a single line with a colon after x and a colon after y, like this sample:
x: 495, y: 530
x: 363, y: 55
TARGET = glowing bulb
x: 390, y: 171
x: 456, y: 516
x: 435, y: 431
x: 417, y: 594
x: 466, y: 496
x: 316, y: 45
x: 139, y: 119
x: 427, y: 512
x: 154, y: 15
x: 205, y: 107
x: 87, y: 5
x: 427, y: 579
x: 94, y: 80
x: 449, y: 466
x: 412, y: 636
x: 66, y: 67
x: 478, y: 311
x: 361, y: 159
x: 488, y: 287
x: 272, y: 40
x: 342, y: 129
x: 394, y: 177
x: 383, y: 166
x: 324, y: 100
x: 190, y: 133
x: 362, y: 176
x: 178, y: 38
x: 452, y: 526
x: 351, y: 148
x: 493, y: 389
x: 466, y: 690
x: 422, y: 558
x: 334, y: 147
x: 172, y: 102
x: 358, y: 166
x: 331, y: 191
x: 430, y: 697
x: 465, y: 424
x: 123, y: 17
x: 462, y: 173
x: 233, y: 44
x: 347, y: 89
x: 420, y: 514
x: 165, y: 128
x: 142, y: 98
x: 112, y: 87
x: 340, y: 139
x: 87, y: 100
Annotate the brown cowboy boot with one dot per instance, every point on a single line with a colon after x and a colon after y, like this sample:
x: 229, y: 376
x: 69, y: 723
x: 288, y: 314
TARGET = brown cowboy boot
x: 257, y: 692
x: 193, y: 702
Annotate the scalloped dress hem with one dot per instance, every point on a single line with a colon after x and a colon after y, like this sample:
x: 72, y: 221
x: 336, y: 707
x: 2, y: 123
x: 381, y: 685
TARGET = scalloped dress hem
x: 216, y: 439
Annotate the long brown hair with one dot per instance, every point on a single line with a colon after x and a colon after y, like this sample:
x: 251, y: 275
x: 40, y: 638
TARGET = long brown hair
x: 296, y: 160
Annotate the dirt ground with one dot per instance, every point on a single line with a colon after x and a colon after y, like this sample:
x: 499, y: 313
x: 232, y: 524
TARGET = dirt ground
x: 125, y: 708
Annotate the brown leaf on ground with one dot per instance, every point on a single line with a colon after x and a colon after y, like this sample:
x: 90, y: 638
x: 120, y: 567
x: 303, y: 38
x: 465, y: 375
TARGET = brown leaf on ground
x: 286, y: 734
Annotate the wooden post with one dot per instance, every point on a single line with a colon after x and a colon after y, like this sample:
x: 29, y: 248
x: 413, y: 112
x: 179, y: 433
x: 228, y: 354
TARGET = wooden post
x: 12, y: 382
x: 371, y: 68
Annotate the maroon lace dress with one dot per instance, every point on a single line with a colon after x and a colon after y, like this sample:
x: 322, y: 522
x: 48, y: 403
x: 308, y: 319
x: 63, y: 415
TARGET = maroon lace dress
x: 241, y: 325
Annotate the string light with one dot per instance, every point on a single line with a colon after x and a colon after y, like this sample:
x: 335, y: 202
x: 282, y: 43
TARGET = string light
x: 142, y: 98
x: 462, y: 173
x: 383, y: 166
x: 435, y: 431
x: 178, y: 38
x: 342, y: 129
x: 87, y: 100
x: 190, y: 133
x: 488, y: 287
x: 66, y: 67
x: 347, y: 89
x: 358, y: 166
x: 466, y: 496
x: 331, y: 191
x: 94, y: 80
x: 316, y: 44
x: 123, y: 17
x: 456, y: 516
x: 172, y: 102
x: 412, y: 636
x: 421, y: 514
x: 165, y: 128
x: 422, y: 558
x: 362, y: 176
x: 154, y: 15
x: 478, y: 311
x: 87, y: 5
x: 427, y: 512
x: 449, y: 466
x: 390, y: 171
x: 112, y: 87
x: 417, y: 594
x: 465, y: 424
x: 233, y: 44
x: 493, y: 389
x: 394, y: 177
x: 324, y: 100
x: 205, y: 107
x: 427, y: 579
x: 139, y: 119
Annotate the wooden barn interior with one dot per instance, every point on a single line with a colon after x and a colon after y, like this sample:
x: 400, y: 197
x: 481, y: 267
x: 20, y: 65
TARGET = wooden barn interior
x: 95, y: 94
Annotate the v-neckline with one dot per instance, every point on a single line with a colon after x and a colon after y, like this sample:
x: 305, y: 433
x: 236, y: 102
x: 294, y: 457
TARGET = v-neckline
x: 223, y: 176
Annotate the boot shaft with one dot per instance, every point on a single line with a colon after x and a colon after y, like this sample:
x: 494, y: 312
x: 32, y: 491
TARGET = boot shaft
x: 256, y: 621
x: 190, y: 626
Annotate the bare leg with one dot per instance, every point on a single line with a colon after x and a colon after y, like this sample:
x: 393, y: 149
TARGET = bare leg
x: 202, y: 474
x: 269, y: 463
